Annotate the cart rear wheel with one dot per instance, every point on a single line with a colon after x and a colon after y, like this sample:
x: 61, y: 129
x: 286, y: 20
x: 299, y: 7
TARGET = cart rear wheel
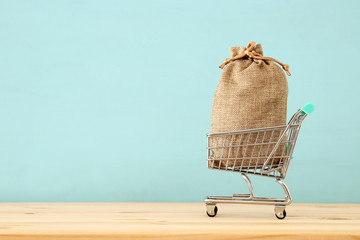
x: 212, y: 212
x: 281, y: 215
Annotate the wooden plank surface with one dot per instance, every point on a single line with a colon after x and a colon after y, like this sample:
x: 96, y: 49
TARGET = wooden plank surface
x: 175, y: 221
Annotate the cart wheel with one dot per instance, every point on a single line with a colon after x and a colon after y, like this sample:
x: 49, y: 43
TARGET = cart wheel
x: 212, y: 212
x: 281, y: 215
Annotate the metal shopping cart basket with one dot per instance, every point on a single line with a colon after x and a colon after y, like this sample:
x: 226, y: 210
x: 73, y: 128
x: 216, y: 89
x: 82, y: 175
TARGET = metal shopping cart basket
x: 264, y: 151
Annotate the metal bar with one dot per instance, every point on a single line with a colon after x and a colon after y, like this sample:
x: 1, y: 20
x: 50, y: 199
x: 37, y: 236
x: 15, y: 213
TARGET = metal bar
x: 253, y: 200
x: 242, y: 162
x: 279, y: 141
x: 249, y: 130
x: 251, y: 144
x: 247, y: 180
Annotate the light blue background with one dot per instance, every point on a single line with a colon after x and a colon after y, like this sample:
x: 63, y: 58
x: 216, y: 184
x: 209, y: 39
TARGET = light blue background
x: 111, y: 100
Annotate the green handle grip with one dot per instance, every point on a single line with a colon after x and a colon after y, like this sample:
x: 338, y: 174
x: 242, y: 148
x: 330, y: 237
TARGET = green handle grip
x: 308, y: 108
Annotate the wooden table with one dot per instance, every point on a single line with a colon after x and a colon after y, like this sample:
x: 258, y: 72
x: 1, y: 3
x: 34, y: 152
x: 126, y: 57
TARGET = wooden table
x: 91, y: 221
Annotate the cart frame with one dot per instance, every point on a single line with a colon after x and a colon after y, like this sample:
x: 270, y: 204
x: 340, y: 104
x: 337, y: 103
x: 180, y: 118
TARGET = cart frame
x: 271, y: 165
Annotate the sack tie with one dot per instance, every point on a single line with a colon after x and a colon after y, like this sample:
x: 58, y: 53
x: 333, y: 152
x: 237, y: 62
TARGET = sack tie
x: 250, y: 52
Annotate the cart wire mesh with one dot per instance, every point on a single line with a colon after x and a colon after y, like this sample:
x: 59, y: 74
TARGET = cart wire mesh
x: 263, y: 151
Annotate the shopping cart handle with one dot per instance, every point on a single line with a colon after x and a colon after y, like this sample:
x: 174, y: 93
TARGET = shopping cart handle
x: 308, y: 108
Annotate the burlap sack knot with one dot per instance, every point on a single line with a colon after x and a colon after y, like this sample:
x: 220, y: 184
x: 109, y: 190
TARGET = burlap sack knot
x: 251, y: 53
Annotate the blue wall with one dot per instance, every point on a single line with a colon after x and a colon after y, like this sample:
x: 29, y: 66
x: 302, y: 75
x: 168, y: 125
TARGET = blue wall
x: 111, y: 100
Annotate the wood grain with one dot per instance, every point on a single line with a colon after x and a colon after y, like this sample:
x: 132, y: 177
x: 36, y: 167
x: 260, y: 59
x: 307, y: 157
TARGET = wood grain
x: 175, y: 221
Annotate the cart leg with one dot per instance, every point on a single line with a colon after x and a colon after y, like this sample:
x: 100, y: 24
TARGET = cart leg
x: 288, y: 198
x: 280, y: 212
x: 251, y: 190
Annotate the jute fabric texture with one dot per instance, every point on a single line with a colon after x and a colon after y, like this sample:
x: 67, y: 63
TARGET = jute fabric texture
x: 252, y: 93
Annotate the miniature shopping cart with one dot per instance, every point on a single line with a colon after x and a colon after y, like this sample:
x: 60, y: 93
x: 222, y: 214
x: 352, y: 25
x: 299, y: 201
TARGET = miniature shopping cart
x: 263, y: 151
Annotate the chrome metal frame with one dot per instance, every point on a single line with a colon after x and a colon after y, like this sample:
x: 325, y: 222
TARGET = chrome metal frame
x: 221, y: 156
x: 249, y: 198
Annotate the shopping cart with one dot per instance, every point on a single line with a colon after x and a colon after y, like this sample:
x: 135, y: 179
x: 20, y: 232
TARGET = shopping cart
x: 263, y: 151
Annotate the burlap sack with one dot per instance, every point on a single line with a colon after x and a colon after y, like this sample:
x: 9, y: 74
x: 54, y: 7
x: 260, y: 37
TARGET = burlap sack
x: 252, y: 93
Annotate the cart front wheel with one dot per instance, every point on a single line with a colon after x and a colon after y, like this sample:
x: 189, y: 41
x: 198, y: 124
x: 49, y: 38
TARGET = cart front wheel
x: 281, y: 215
x: 212, y: 212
